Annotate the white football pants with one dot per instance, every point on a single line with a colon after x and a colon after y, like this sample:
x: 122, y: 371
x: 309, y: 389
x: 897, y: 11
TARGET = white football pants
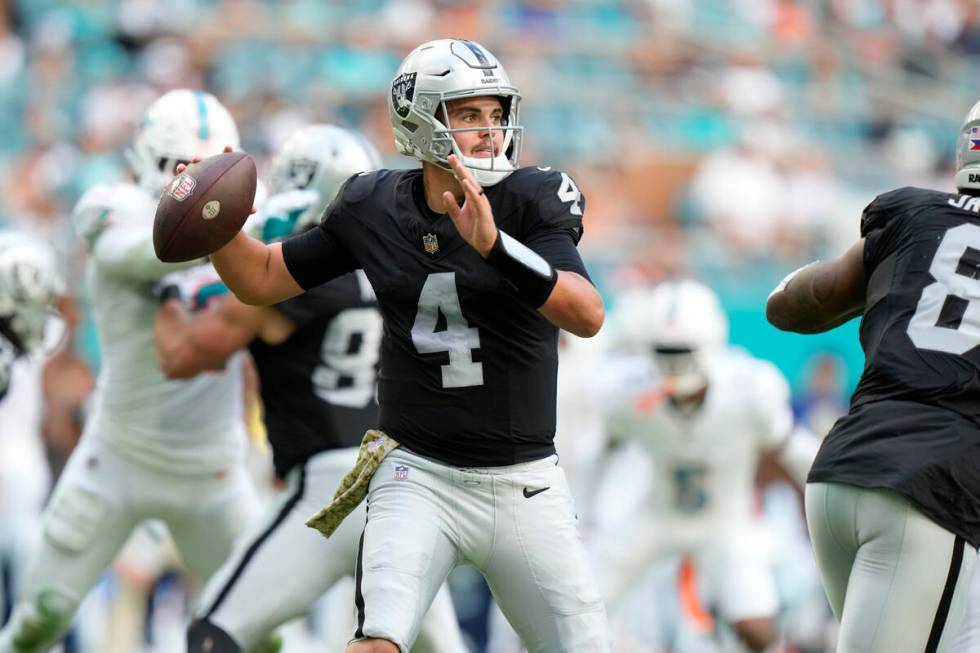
x: 896, y: 580
x: 98, y: 501
x: 516, y: 524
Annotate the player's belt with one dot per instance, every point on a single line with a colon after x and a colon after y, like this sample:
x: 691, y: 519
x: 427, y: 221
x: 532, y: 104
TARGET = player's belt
x: 354, y: 486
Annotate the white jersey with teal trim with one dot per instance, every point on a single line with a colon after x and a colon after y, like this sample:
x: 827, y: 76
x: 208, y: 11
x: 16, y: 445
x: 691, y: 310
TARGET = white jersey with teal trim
x: 188, y: 426
x: 284, y: 214
x: 705, y: 461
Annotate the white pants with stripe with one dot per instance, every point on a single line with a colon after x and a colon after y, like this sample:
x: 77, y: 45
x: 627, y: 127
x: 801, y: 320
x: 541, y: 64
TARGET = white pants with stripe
x: 516, y: 524
x: 281, y: 567
x: 100, y: 498
x: 896, y: 581
x: 968, y: 641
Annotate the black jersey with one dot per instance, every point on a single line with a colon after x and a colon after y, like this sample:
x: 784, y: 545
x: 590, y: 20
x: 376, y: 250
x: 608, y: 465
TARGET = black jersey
x: 468, y: 371
x: 318, y: 386
x: 914, y: 422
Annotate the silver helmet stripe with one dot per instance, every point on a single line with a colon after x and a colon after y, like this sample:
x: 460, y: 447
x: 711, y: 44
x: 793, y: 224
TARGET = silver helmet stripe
x: 481, y: 57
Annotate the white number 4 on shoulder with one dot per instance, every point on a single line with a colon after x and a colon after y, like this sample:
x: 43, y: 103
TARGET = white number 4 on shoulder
x: 569, y: 192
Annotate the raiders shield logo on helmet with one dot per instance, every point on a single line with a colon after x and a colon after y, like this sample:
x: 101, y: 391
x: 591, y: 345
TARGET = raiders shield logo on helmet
x: 301, y: 172
x: 402, y: 93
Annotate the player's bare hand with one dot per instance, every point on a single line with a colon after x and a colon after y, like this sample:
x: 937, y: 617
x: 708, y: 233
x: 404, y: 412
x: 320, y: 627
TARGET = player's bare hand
x: 183, y: 166
x: 473, y: 220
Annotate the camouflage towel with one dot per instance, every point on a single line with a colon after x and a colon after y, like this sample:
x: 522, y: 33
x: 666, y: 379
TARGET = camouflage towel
x: 354, y: 486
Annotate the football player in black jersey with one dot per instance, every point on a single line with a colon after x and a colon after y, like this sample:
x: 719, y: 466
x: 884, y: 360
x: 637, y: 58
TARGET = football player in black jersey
x: 316, y: 357
x: 475, y: 266
x: 29, y: 283
x: 893, y: 497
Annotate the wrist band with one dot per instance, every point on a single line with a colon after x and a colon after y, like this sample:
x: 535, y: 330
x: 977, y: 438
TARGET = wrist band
x: 524, y: 269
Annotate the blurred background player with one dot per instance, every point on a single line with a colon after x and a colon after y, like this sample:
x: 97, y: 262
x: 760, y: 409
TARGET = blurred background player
x: 706, y: 414
x: 30, y: 283
x: 173, y: 450
x: 317, y: 359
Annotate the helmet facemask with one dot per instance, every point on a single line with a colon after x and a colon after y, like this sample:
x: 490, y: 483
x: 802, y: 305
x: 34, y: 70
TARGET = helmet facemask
x: 684, y: 370
x: 486, y: 171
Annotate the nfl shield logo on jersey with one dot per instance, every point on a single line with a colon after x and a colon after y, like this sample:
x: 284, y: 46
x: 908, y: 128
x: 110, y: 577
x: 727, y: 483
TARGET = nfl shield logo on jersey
x: 401, y: 472
x: 182, y: 187
x: 431, y: 243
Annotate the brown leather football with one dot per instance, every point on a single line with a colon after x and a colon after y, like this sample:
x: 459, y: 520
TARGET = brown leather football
x: 203, y: 207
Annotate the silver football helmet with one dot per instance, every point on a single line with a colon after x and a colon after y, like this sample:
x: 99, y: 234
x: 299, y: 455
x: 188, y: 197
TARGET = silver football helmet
x: 968, y: 151
x: 437, y: 72
x: 682, y: 325
x: 178, y: 126
x: 321, y: 158
x: 305, y: 176
x: 29, y: 282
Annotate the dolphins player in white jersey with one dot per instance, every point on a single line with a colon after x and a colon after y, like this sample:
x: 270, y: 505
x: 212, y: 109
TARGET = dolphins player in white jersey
x: 706, y: 413
x: 152, y: 448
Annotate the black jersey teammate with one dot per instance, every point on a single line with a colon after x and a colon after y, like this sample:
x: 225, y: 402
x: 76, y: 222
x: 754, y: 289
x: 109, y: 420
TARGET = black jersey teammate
x: 316, y: 357
x: 893, y: 498
x: 474, y: 264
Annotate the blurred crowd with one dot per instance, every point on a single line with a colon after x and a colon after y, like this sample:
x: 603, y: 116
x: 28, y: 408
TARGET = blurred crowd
x: 662, y: 110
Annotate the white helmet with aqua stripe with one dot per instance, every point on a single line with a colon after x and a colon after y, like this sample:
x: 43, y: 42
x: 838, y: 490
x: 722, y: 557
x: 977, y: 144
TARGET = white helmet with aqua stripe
x: 681, y: 324
x: 178, y: 126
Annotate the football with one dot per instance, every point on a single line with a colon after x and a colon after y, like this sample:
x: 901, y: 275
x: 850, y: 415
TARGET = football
x: 204, y: 206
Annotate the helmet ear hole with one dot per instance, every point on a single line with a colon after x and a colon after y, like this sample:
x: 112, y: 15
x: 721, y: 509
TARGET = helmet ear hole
x: 441, y: 148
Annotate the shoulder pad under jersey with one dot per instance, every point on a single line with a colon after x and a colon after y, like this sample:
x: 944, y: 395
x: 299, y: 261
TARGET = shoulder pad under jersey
x: 105, y: 205
x: 559, y: 202
x: 758, y: 381
x: 363, y: 184
x: 896, y: 203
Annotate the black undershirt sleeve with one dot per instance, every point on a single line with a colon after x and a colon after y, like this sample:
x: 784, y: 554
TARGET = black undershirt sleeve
x: 316, y: 256
x: 558, y: 248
